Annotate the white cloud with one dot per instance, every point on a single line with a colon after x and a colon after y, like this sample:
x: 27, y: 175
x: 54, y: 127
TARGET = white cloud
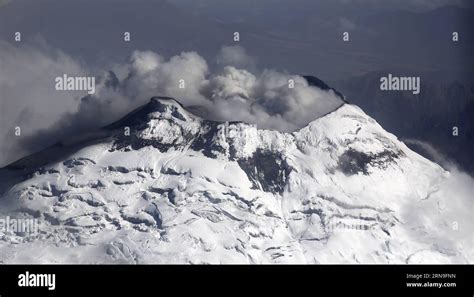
x: 263, y: 98
x: 236, y: 56
x: 266, y: 99
x: 27, y: 95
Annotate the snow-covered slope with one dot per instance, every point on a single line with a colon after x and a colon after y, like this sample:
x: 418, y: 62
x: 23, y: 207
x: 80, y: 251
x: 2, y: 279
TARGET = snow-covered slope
x: 181, y: 189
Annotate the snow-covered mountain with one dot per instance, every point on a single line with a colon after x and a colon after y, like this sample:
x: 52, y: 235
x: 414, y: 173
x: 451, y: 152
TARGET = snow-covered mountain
x: 182, y: 189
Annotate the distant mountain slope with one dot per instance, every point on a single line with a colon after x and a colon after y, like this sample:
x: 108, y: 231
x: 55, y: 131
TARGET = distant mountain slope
x: 430, y: 116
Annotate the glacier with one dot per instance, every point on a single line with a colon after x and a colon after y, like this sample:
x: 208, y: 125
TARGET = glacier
x: 182, y: 189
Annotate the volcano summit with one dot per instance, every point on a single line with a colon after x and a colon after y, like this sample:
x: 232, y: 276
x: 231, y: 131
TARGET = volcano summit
x: 176, y: 189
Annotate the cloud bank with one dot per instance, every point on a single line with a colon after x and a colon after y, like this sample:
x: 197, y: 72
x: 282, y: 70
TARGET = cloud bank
x: 27, y: 96
x: 235, y: 90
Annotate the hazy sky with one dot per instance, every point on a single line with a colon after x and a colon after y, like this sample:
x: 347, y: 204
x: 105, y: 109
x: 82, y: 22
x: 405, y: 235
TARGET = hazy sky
x: 374, y: 4
x: 279, y: 39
